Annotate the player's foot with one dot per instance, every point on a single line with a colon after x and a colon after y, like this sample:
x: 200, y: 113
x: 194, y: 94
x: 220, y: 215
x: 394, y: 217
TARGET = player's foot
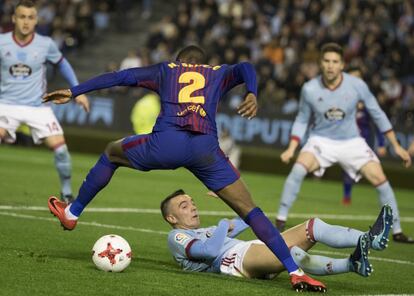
x: 359, y: 258
x: 280, y: 225
x: 379, y: 231
x: 302, y: 283
x: 57, y: 208
x: 402, y: 238
x: 67, y: 198
x: 346, y: 201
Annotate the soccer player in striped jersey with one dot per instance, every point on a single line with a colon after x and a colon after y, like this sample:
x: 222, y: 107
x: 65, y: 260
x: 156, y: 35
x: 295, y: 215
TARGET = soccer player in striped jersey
x: 23, y: 57
x: 215, y: 248
x: 365, y: 129
x: 331, y: 99
x: 184, y: 135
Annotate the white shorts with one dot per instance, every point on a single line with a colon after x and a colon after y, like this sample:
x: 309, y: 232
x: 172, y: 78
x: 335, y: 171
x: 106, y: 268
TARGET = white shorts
x: 41, y: 120
x: 232, y: 261
x: 351, y: 154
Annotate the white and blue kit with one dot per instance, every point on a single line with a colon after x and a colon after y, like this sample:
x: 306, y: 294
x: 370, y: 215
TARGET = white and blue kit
x: 334, y: 111
x: 23, y: 69
x: 334, y: 136
x: 210, y: 249
x: 23, y: 84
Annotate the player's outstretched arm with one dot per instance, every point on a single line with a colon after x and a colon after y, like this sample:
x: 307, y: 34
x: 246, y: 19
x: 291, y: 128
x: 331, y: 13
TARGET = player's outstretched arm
x: 61, y: 96
x: 248, y: 108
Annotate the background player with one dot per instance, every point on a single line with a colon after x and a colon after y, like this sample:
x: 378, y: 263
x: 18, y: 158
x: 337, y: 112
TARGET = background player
x: 23, y: 54
x: 366, y: 131
x: 185, y: 135
x: 332, y: 98
x: 215, y: 249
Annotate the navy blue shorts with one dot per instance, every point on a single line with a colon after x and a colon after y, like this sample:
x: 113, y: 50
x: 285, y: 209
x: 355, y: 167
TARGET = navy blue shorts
x: 167, y: 150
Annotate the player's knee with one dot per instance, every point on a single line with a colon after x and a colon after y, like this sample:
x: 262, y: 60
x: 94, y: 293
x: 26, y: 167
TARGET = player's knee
x: 3, y: 133
x: 298, y: 173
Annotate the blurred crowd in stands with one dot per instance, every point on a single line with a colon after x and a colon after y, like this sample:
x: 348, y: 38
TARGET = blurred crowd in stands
x: 281, y: 38
x: 71, y: 23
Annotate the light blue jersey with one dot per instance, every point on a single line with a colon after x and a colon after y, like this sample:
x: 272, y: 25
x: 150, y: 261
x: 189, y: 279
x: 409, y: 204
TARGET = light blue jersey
x: 23, y: 69
x: 334, y: 111
x: 208, y: 256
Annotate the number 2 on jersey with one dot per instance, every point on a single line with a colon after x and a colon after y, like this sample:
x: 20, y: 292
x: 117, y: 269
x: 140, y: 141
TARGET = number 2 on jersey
x: 197, y: 82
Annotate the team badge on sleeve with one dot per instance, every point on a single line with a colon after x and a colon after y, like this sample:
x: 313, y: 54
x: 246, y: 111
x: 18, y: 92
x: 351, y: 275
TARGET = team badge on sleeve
x: 182, y: 238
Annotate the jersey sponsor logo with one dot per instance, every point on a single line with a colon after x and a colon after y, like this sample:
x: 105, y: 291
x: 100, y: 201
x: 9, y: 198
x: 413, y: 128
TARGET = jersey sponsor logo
x: 335, y: 114
x: 193, y: 108
x: 174, y: 65
x: 182, y: 238
x: 21, y: 71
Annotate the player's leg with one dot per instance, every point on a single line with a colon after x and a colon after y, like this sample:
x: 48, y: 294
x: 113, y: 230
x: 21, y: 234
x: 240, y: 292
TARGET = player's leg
x: 210, y: 165
x: 10, y: 120
x: 98, y: 177
x: 3, y: 134
x: 374, y: 173
x: 63, y: 164
x: 348, y: 182
x: 305, y: 163
x: 239, y: 199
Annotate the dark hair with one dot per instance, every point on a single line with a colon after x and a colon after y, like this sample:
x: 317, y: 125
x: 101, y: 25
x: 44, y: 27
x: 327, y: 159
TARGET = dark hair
x: 166, y: 201
x: 25, y: 3
x: 332, y: 47
x: 354, y: 69
x: 191, y: 54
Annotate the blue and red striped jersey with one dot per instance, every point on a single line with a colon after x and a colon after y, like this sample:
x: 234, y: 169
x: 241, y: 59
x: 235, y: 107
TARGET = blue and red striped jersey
x: 189, y: 92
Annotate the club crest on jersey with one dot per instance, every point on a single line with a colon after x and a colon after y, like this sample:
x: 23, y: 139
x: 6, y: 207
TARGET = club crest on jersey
x: 181, y: 238
x: 335, y: 114
x: 20, y: 71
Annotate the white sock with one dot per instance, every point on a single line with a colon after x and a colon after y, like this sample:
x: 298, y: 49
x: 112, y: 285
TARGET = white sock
x: 69, y: 214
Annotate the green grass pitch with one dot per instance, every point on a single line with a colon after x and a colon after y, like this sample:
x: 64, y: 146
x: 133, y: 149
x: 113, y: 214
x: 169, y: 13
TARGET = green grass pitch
x: 38, y: 258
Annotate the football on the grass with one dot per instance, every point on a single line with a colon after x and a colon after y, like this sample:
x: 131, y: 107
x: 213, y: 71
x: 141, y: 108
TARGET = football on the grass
x: 111, y: 253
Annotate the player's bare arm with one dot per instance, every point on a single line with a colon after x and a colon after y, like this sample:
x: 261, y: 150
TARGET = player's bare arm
x: 400, y: 151
x: 248, y: 108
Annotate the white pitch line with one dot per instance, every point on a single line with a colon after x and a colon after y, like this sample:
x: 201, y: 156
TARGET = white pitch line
x: 210, y: 213
x: 95, y: 224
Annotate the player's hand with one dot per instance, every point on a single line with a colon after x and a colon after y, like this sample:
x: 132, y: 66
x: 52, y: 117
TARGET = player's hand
x: 403, y: 154
x: 248, y: 108
x: 381, y: 151
x: 61, y: 96
x: 231, y: 226
x: 411, y: 149
x: 287, y: 155
x: 84, y: 102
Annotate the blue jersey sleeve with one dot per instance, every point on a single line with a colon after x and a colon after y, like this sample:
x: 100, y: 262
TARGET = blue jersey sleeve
x: 67, y: 72
x: 239, y: 227
x: 147, y: 77
x: 241, y: 73
x: 210, y: 248
x: 302, y: 119
x: 53, y: 53
x: 373, y: 108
